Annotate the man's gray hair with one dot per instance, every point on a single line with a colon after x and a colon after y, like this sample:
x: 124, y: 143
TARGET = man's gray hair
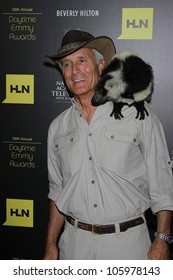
x: 98, y: 56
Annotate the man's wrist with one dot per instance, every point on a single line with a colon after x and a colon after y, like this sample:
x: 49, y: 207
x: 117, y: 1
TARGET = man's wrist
x: 165, y: 237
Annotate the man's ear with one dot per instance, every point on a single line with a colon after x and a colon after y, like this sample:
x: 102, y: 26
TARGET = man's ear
x: 101, y: 66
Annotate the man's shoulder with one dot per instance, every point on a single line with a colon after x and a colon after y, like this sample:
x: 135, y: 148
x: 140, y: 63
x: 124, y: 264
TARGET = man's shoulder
x: 63, y: 120
x: 65, y: 114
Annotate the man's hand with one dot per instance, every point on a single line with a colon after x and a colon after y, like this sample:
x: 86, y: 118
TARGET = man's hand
x: 159, y: 250
x: 51, y: 252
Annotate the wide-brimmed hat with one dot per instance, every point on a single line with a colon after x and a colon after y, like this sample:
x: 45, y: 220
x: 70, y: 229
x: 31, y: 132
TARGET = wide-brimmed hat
x: 75, y: 39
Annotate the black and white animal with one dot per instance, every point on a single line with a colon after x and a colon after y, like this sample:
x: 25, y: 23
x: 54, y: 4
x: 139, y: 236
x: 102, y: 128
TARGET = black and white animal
x: 127, y: 76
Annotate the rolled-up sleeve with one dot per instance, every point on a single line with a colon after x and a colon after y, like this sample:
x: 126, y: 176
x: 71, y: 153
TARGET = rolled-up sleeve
x: 54, y: 173
x: 159, y: 169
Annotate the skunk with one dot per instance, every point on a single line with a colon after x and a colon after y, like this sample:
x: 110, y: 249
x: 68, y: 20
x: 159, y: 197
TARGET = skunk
x: 127, y: 76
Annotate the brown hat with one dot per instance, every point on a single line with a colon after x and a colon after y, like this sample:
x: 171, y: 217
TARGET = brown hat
x: 76, y: 39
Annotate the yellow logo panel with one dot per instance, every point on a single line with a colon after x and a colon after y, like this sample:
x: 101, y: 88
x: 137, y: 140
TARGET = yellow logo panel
x: 19, y: 212
x: 137, y: 23
x: 19, y: 89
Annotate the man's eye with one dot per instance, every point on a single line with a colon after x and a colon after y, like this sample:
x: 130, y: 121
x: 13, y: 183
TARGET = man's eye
x: 82, y: 60
x: 65, y: 65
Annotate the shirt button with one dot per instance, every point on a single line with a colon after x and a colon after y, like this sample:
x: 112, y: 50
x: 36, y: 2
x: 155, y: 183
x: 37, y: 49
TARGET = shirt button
x: 92, y: 182
x: 95, y: 205
x: 112, y: 136
x: 90, y: 158
x: 90, y: 134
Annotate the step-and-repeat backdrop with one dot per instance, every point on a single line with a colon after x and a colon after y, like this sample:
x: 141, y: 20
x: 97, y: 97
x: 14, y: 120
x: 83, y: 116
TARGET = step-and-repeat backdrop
x: 32, y: 93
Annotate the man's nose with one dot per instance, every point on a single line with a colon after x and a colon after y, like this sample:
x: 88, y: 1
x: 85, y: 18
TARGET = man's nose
x: 75, y: 68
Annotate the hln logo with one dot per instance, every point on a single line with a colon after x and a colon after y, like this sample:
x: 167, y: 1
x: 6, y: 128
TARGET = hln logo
x: 19, y: 89
x: 137, y: 23
x: 19, y: 212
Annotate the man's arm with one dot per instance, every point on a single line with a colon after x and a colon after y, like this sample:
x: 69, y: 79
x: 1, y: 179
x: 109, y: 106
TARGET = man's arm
x: 159, y: 249
x: 56, y: 221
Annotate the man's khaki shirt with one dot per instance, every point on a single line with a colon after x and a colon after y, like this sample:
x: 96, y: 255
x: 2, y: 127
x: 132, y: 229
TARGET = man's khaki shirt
x: 109, y: 170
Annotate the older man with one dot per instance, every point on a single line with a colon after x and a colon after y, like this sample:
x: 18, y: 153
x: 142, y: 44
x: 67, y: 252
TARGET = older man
x: 104, y: 173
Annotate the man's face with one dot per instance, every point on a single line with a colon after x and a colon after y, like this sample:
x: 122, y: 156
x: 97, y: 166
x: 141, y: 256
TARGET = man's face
x: 80, y: 71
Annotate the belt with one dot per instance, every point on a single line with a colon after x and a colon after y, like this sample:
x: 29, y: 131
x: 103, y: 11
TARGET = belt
x: 104, y: 229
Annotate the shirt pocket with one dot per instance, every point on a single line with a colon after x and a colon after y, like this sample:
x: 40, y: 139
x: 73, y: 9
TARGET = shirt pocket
x: 121, y: 151
x: 66, y: 149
